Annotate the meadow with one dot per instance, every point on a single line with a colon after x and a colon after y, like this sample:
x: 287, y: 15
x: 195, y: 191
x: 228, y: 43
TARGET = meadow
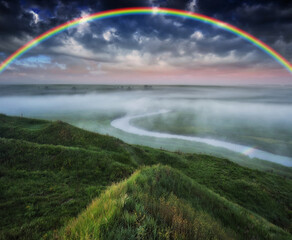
x: 52, y: 172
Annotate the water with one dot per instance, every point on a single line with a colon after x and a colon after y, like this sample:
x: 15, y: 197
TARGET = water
x: 223, y: 121
x: 124, y: 124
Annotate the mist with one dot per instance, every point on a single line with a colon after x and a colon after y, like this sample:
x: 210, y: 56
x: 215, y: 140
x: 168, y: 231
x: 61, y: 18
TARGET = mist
x: 258, y: 117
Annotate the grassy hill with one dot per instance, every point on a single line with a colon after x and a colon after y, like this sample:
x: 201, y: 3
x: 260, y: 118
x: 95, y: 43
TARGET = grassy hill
x: 51, y: 171
x: 162, y: 203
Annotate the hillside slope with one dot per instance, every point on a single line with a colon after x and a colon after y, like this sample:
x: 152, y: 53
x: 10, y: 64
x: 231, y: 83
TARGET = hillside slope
x: 50, y: 171
x: 161, y: 203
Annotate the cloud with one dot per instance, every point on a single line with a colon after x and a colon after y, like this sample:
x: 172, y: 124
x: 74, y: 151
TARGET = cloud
x: 192, y: 6
x: 197, y: 35
x: 36, y: 18
x: 110, y: 34
x: 83, y: 27
x: 5, y: 4
x: 150, y: 42
x: 75, y: 49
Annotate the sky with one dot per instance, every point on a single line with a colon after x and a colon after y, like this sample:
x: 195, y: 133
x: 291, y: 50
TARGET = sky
x: 151, y: 49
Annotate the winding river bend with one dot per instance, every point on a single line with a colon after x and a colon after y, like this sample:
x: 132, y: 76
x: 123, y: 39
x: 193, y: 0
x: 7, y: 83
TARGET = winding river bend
x: 124, y: 124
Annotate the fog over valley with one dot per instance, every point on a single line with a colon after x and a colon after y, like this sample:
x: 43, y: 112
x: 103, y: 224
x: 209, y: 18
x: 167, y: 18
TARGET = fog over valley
x: 250, y: 118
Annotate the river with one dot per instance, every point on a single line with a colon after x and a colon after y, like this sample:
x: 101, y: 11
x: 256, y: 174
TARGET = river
x: 124, y: 124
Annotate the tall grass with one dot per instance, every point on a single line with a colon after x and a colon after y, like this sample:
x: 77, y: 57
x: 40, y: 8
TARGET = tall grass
x: 50, y: 172
x: 161, y: 203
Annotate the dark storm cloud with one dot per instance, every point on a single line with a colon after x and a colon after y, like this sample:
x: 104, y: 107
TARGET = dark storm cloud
x: 261, y: 19
x: 271, y: 21
x: 171, y: 3
x: 13, y: 20
x: 265, y: 19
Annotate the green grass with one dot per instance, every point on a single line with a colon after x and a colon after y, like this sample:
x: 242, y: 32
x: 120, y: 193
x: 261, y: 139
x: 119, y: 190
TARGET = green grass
x: 50, y: 172
x: 162, y: 203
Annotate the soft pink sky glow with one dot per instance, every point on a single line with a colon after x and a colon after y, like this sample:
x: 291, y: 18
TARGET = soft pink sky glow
x: 163, y: 75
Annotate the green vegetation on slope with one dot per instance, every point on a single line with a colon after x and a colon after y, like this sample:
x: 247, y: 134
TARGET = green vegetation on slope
x: 50, y: 171
x: 161, y: 203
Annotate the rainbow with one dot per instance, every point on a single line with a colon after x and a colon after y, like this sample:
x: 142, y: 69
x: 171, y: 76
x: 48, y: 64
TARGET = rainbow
x: 143, y: 11
x: 248, y: 151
